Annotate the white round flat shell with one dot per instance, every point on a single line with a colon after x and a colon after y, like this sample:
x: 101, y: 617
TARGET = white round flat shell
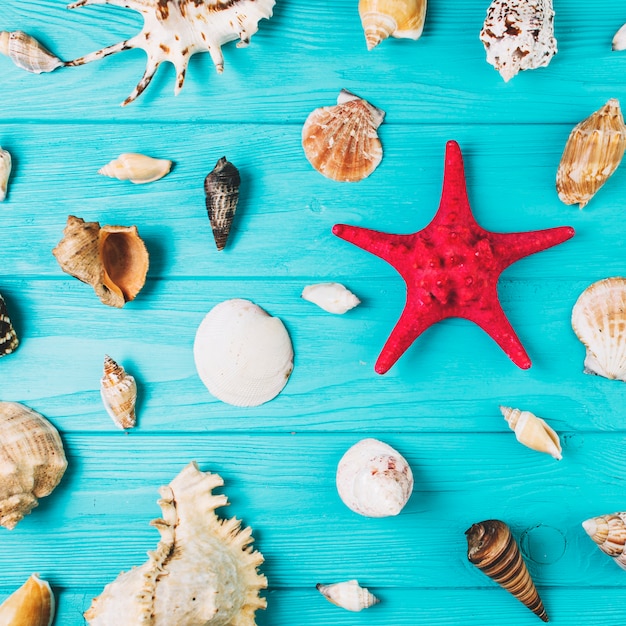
x: 243, y: 355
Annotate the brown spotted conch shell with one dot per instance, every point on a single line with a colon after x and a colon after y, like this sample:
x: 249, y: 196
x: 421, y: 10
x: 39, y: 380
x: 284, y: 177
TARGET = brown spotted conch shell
x: 31, y: 605
x: 5, y: 172
x: 609, y: 533
x: 494, y: 551
x: 348, y: 595
x: 202, y: 573
x: 533, y: 432
x: 8, y: 336
x: 137, y: 168
x: 119, y: 394
x: 27, y: 53
x: 391, y: 18
x: 32, y: 461
x: 112, y: 259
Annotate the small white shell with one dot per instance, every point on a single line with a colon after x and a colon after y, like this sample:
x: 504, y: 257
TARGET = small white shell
x: 348, y: 595
x: 5, y: 172
x: 119, y: 394
x: 137, y: 168
x: 331, y: 297
x: 27, y: 53
x: 243, y: 355
x: 533, y: 432
x: 619, y: 41
x: 373, y: 479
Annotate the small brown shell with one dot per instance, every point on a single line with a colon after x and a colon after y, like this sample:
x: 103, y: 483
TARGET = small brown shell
x: 30, y: 605
x: 119, y: 394
x: 8, y: 337
x: 609, y: 533
x: 221, y: 187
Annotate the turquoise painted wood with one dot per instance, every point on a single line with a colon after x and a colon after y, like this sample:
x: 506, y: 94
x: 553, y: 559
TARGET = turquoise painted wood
x: 438, y: 405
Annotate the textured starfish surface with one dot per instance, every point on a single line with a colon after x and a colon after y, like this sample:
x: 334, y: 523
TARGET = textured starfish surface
x: 451, y: 267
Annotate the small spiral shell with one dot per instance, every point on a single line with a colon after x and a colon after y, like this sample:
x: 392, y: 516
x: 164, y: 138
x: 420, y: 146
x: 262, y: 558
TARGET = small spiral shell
x: 332, y: 297
x: 138, y: 168
x: 533, y: 432
x: 348, y: 595
x: 119, y: 394
x: 381, y: 19
x: 27, y: 53
x: 609, y: 533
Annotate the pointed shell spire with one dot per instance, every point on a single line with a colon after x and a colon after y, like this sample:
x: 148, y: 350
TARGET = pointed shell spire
x: 221, y: 187
x: 609, y: 533
x: 391, y: 18
x: 8, y: 336
x: 30, y: 605
x: 119, y: 394
x: 137, y: 168
x: 27, y: 53
x: 5, y: 172
x: 348, y: 595
x: 533, y: 432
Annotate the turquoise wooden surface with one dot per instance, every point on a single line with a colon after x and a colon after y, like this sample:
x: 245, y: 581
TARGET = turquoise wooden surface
x: 438, y: 405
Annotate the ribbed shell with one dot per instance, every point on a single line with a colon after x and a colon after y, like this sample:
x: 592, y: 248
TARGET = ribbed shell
x: 32, y: 461
x: 392, y: 18
x: 8, y: 337
x: 137, y: 168
x: 332, y: 297
x: 532, y: 431
x: 119, y: 394
x: 30, y: 605
x: 599, y: 321
x: 5, y: 172
x: 221, y: 187
x: 493, y: 550
x: 27, y: 53
x: 348, y: 595
x: 609, y: 533
x: 341, y: 141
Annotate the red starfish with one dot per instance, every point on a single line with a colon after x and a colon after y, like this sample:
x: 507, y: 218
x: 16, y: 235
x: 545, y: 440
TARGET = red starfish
x: 451, y: 267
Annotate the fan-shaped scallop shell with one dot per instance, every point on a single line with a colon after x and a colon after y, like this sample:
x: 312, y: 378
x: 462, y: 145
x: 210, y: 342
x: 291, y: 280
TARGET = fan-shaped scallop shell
x: 348, y: 595
x: 119, y: 394
x: 341, y: 141
x: 137, y: 168
x: 30, y: 605
x: 221, y: 187
x: 609, y: 533
x: 373, y: 479
x: 27, y: 53
x: 5, y: 172
x: 243, y: 355
x: 533, y: 432
x: 174, y: 30
x: 202, y: 573
x: 8, y: 336
x: 32, y: 461
x: 391, y: 18
x: 599, y: 321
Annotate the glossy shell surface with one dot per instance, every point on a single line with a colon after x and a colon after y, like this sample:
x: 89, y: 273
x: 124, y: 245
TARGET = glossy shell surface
x: 221, y: 188
x: 348, y: 595
x: 403, y: 19
x: 137, y: 168
x: 609, y: 534
x: 533, y: 432
x: 31, y: 605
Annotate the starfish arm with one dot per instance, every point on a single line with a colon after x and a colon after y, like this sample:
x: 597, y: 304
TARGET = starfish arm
x: 515, y: 246
x: 386, y: 246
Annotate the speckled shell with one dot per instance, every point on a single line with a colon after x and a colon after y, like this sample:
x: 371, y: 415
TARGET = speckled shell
x: 30, y: 605
x: 119, y: 394
x: 391, y: 18
x: 609, y: 533
x: 341, y: 141
x: 599, y: 321
x: 174, y: 30
x: 8, y: 336
x: 27, y: 53
x: 519, y: 35
x: 533, y: 432
x: 619, y: 41
x: 112, y: 259
x: 32, y: 461
x: 243, y: 355
x: 202, y: 573
x: 5, y: 172
x: 373, y: 479
x: 593, y: 152
x: 332, y: 297
x: 221, y: 187
x: 492, y: 549
x: 137, y: 168
x: 348, y: 595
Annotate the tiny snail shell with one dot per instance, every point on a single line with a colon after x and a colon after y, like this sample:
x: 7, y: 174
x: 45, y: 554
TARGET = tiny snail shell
x: 348, y: 595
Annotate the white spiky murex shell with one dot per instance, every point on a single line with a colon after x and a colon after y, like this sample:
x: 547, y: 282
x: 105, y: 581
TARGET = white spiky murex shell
x: 619, y: 41
x: 32, y: 461
x: 373, y: 479
x: 5, y: 172
x: 332, y: 297
x: 27, y: 53
x: 118, y: 390
x: 31, y: 605
x: 599, y: 321
x: 174, y: 30
x: 137, y: 168
x: 609, y: 533
x: 532, y: 431
x: 8, y: 336
x: 348, y: 595
x: 202, y: 573
x: 381, y: 19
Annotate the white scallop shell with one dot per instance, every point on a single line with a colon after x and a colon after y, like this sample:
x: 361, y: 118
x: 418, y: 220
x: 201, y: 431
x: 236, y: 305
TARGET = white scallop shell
x: 5, y: 172
x: 348, y: 595
x: 373, y: 479
x: 332, y: 297
x: 138, y: 168
x: 243, y: 355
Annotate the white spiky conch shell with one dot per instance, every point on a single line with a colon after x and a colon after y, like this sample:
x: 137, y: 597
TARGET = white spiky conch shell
x: 348, y: 595
x: 31, y: 605
x: 202, y: 573
x: 5, y: 172
x: 27, y: 53
x: 118, y: 391
x: 609, y: 533
x: 174, y: 30
x: 532, y: 431
x: 137, y: 168
x: 373, y: 479
x: 392, y: 18
x: 32, y: 461
x: 243, y: 355
x: 619, y: 41
x: 599, y: 321
x: 332, y: 297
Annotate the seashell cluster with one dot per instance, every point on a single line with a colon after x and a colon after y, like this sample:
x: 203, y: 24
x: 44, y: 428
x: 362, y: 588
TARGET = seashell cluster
x: 609, y: 533
x: 519, y: 35
x: 599, y: 321
x: 373, y: 479
x: 5, y: 172
x: 533, y: 432
x: 493, y: 550
x: 341, y: 141
x: 391, y: 18
x: 175, y: 30
x: 8, y: 336
x: 27, y: 53
x: 32, y: 461
x: 137, y: 168
x: 592, y: 153
x: 221, y: 187
x: 202, y: 573
x: 243, y: 355
x: 31, y: 605
x: 619, y: 41
x: 331, y: 297
x: 112, y: 259
x: 119, y: 394
x: 348, y: 595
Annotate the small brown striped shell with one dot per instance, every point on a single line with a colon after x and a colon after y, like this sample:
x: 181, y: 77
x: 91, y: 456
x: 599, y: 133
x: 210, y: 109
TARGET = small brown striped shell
x: 221, y: 187
x: 609, y: 533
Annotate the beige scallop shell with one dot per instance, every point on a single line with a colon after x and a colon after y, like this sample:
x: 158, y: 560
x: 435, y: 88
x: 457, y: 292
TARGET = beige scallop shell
x: 137, y: 168
x: 30, y: 605
x: 348, y: 595
x: 392, y: 18
x: 341, y: 141
x: 599, y: 321
x: 532, y: 431
x: 243, y: 355
x: 118, y: 390
x: 32, y: 461
x: 609, y: 533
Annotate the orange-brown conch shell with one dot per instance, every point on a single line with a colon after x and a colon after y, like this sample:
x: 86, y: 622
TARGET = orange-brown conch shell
x: 31, y: 605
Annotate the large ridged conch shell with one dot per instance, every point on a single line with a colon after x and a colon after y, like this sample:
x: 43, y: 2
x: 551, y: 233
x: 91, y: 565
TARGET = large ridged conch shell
x: 493, y: 550
x: 609, y: 532
x: 32, y: 461
x: 8, y: 336
x: 221, y: 187
x: 332, y: 297
x: 533, y: 432
x: 396, y: 18
x: 26, y: 52
x: 202, y: 573
x: 174, y: 30
x: 31, y: 605
x: 519, y: 35
x: 592, y: 153
x: 138, y: 168
x: 373, y: 479
x: 619, y: 41
x: 599, y: 321
x: 119, y: 394
x: 243, y: 355
x: 341, y: 141
x: 5, y: 172
x: 112, y: 259
x: 348, y: 595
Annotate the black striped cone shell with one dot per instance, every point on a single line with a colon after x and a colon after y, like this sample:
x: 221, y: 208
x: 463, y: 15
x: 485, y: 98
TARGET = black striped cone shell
x: 492, y: 549
x: 8, y: 338
x: 222, y: 193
